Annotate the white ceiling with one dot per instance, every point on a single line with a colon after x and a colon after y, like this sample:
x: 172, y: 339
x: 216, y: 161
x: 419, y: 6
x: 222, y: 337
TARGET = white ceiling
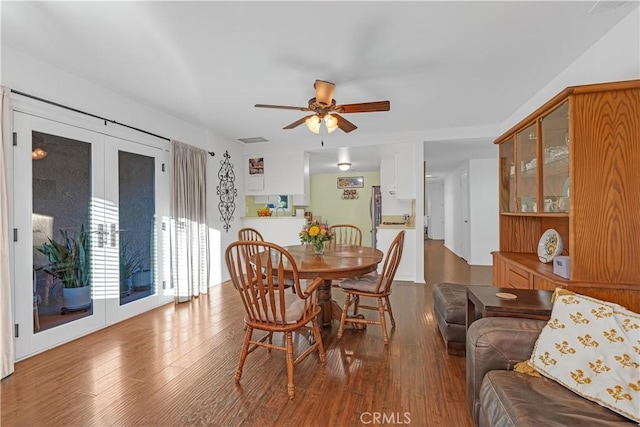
x: 459, y: 67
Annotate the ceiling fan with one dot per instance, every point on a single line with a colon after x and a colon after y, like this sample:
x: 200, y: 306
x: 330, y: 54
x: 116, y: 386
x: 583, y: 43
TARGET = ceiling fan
x: 324, y: 108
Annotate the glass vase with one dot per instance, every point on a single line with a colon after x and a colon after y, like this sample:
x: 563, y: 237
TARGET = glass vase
x: 318, y: 248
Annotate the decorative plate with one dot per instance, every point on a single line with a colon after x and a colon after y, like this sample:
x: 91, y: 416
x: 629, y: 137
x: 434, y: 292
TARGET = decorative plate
x: 550, y: 245
x: 506, y: 295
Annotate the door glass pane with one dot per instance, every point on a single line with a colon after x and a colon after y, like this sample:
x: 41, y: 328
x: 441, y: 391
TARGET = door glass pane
x: 137, y: 211
x: 555, y: 170
x: 527, y: 170
x: 61, y: 218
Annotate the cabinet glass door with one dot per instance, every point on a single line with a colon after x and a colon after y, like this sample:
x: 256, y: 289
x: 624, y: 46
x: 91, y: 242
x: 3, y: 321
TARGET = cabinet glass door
x: 555, y: 154
x: 527, y: 170
x: 507, y: 177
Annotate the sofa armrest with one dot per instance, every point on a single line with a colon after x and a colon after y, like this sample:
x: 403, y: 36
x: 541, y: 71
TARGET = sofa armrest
x: 496, y: 343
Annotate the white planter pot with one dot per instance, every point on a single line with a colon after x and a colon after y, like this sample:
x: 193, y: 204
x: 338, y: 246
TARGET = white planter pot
x: 77, y: 298
x: 142, y: 280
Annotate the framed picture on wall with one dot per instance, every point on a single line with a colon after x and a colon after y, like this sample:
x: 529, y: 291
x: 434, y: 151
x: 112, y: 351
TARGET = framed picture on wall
x: 351, y: 182
x: 256, y: 166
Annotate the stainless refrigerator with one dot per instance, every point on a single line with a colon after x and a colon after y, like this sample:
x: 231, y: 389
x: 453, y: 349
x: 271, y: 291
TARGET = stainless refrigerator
x: 375, y: 210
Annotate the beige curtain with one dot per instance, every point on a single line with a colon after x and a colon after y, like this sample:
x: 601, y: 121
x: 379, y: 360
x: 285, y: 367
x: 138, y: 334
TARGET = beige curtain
x: 6, y: 315
x: 189, y: 230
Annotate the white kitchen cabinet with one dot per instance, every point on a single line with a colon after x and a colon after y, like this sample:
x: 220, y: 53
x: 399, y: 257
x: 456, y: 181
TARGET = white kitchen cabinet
x: 283, y: 173
x: 388, y: 176
x: 301, y: 199
x: 405, y: 171
x: 397, y: 172
x: 407, y: 268
x: 390, y: 204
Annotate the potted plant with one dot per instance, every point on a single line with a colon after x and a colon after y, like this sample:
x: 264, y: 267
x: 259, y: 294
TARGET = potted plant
x: 69, y: 263
x: 130, y: 263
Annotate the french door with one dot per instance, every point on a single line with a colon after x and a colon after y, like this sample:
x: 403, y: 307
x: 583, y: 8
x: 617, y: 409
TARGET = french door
x: 89, y: 211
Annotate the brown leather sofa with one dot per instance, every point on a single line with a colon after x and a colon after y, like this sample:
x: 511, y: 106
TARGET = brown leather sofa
x: 498, y: 396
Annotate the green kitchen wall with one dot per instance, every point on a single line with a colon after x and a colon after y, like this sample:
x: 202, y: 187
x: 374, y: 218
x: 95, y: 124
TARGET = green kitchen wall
x: 328, y: 204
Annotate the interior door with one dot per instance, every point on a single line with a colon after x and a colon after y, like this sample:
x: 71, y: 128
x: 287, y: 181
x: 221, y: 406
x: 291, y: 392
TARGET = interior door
x: 135, y: 217
x: 435, y: 195
x: 89, y: 209
x: 58, y: 207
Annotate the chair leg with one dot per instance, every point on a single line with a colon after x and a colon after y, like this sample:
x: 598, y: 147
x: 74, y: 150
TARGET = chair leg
x: 343, y: 318
x: 318, y: 338
x: 290, y: 387
x: 243, y: 353
x: 393, y: 321
x: 383, y: 321
x: 356, y: 303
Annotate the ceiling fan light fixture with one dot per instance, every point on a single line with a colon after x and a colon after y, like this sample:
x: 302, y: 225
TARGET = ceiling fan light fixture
x: 344, y: 166
x: 331, y: 122
x: 313, y: 123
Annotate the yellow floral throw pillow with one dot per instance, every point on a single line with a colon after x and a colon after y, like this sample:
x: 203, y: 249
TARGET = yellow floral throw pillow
x: 592, y: 347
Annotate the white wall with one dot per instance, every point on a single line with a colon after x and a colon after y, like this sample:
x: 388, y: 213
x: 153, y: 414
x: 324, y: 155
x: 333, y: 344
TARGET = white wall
x: 483, y: 210
x: 615, y: 57
x: 24, y: 73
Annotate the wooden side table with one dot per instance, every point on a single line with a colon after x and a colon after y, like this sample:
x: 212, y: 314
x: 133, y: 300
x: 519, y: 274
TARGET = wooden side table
x: 528, y: 304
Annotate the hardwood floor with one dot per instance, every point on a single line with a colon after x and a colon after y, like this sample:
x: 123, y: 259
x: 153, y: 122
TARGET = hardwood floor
x: 175, y: 366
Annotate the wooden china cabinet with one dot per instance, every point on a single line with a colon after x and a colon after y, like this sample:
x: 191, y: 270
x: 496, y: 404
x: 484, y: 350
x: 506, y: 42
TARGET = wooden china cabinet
x: 574, y: 165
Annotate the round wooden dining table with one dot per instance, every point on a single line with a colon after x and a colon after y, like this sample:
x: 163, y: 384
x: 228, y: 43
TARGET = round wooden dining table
x: 337, y: 262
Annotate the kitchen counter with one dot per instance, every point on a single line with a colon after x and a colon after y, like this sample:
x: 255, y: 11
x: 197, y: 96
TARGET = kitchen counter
x: 281, y: 230
x: 397, y: 226
x: 270, y: 217
x: 397, y: 222
x: 407, y: 267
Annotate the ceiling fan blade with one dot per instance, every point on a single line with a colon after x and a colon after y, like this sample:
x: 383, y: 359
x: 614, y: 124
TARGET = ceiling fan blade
x: 297, y: 122
x: 364, y: 107
x: 344, y: 124
x: 282, y: 107
x: 324, y: 92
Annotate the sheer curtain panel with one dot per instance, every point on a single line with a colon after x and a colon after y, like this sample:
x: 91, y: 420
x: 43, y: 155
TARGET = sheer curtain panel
x: 6, y: 315
x: 189, y: 230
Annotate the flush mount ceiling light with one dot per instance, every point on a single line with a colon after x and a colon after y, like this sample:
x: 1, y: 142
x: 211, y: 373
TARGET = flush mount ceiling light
x: 344, y: 166
x: 38, y: 154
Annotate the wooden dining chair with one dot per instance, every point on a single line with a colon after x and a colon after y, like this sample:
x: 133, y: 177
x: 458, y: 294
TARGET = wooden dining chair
x: 346, y: 234
x: 268, y: 307
x: 252, y: 234
x: 376, y: 286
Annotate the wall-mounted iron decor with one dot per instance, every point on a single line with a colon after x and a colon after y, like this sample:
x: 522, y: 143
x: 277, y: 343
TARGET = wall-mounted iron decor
x: 350, y: 194
x: 227, y: 191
